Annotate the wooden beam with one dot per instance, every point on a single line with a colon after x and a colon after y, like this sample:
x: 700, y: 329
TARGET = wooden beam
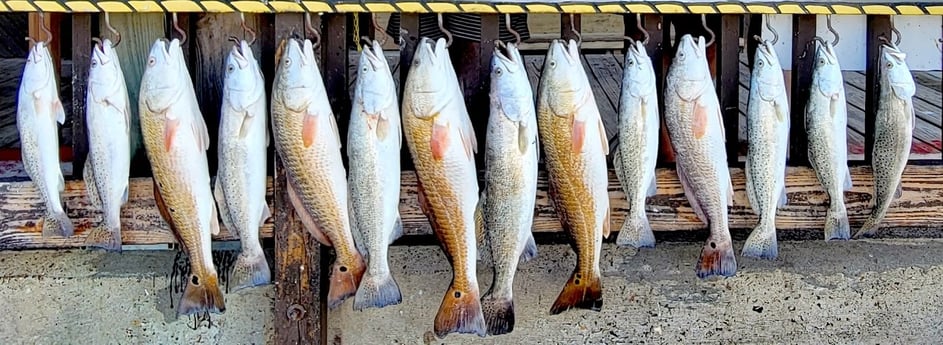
x: 728, y: 81
x: 918, y: 207
x: 754, y: 27
x: 410, y: 23
x: 299, y: 311
x: 803, y: 61
x: 334, y: 67
x: 878, y: 26
x: 81, y: 58
x: 51, y: 22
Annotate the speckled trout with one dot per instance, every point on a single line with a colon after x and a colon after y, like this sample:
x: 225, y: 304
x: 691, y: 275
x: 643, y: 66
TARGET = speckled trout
x: 510, y: 190
x: 768, y: 135
x: 826, y: 119
x: 108, y: 119
x: 893, y: 133
x: 241, y: 176
x: 176, y: 141
x: 374, y: 140
x: 309, y: 145
x: 575, y: 143
x: 38, y: 109
x: 696, y: 129
x: 637, y: 154
x: 442, y: 143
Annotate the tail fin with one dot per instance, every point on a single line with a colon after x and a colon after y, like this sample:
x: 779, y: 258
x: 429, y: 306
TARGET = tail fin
x: 836, y: 225
x: 377, y: 291
x: 762, y: 242
x: 717, y: 258
x: 579, y: 292
x: 460, y: 312
x: 57, y: 224
x: 104, y: 238
x: 636, y: 232
x: 345, y: 278
x: 869, y: 229
x: 250, y: 270
x: 202, y: 294
x: 499, y: 314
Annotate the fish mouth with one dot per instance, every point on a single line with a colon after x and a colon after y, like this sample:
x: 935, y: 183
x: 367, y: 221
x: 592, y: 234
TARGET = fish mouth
x: 373, y: 52
x: 559, y: 47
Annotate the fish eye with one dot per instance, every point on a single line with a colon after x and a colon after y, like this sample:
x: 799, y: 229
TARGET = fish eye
x: 759, y: 63
x: 230, y: 68
x: 287, y: 61
x: 151, y: 61
x: 889, y: 65
x: 498, y: 71
x: 553, y: 64
x: 681, y: 55
x: 821, y: 61
x: 364, y: 68
x: 94, y: 63
x: 631, y: 62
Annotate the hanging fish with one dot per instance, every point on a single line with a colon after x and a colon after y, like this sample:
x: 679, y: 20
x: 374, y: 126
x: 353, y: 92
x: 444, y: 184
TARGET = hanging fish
x: 575, y: 143
x: 442, y: 143
x: 309, y: 145
x: 893, y: 133
x: 38, y: 109
x: 374, y: 140
x: 696, y: 129
x: 176, y: 141
x: 241, y: 176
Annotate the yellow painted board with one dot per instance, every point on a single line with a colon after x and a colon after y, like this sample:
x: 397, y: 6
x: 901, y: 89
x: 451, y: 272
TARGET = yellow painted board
x: 845, y: 9
x: 80, y: 6
x: 640, y: 8
x: 818, y: 9
x: 935, y: 10
x: 21, y: 6
x: 701, y: 9
x: 317, y: 6
x: 578, y: 8
x: 510, y: 8
x: 478, y: 8
x: 671, y: 8
x: 731, y: 8
x: 791, y: 9
x: 443, y: 7
x: 878, y: 9
x: 277, y: 6
x: 349, y: 8
x: 3, y: 7
x: 216, y: 6
x: 761, y: 9
x: 909, y: 10
x: 412, y: 7
x: 541, y: 8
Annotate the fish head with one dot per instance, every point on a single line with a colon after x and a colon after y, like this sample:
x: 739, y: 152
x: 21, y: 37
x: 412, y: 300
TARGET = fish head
x: 827, y: 72
x: 161, y: 83
x: 243, y: 78
x: 767, y: 72
x: 639, y: 73
x: 896, y: 73
x: 510, y: 87
x: 689, y: 68
x: 563, y: 80
x: 104, y: 71
x: 39, y: 71
x: 375, y: 84
x: 298, y: 75
x: 431, y: 80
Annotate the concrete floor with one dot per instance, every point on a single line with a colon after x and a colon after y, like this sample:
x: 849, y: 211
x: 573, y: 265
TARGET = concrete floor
x: 887, y: 291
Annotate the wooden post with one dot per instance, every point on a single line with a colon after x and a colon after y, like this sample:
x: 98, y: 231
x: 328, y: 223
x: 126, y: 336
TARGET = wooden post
x: 803, y: 60
x: 567, y: 26
x: 81, y: 58
x: 335, y: 67
x: 658, y: 34
x: 51, y: 22
x: 299, y: 307
x: 268, y: 43
x: 878, y: 25
x: 728, y: 81
x: 410, y: 23
x: 754, y: 27
x: 472, y: 61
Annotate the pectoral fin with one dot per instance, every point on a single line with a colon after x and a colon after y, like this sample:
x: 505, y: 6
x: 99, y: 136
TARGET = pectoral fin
x: 309, y: 129
x: 440, y: 140
x: 59, y: 111
x: 170, y: 132
x: 578, y: 135
x: 602, y: 136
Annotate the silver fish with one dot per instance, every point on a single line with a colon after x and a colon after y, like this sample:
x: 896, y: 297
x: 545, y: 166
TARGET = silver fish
x: 108, y: 112
x: 695, y: 126
x: 893, y: 133
x: 635, y: 160
x: 38, y: 109
x: 826, y: 119
x: 241, y: 176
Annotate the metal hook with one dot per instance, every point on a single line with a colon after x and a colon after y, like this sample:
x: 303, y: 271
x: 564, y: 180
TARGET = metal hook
x: 770, y: 27
x: 828, y: 23
x: 246, y: 29
x: 579, y: 37
x: 44, y: 28
x: 183, y: 34
x: 507, y: 22
x: 938, y: 46
x: 704, y: 23
x: 309, y: 27
x: 638, y: 25
x: 893, y: 32
x: 378, y: 30
x: 402, y: 38
x: 448, y: 35
x: 113, y: 31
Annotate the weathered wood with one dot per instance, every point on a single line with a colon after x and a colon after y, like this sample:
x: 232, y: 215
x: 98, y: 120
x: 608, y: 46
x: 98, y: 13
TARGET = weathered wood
x: 81, y: 58
x: 728, y: 81
x: 803, y: 60
x: 568, y: 24
x: 607, y: 87
x: 410, y: 23
x: 51, y: 21
x: 661, y: 52
x: 334, y: 67
x: 299, y: 313
x: 754, y: 27
x: 877, y: 26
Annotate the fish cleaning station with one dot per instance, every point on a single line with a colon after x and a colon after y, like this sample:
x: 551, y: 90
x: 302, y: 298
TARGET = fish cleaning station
x: 660, y: 171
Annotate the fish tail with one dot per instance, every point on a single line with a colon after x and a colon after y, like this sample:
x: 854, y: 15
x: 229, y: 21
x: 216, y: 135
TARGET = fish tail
x: 581, y: 292
x: 377, y: 291
x: 345, y: 278
x: 636, y: 232
x: 460, y: 312
x: 836, y: 224
x: 104, y: 237
x: 869, y: 229
x: 499, y: 314
x: 717, y: 258
x: 202, y: 294
x: 250, y: 270
x: 762, y: 242
x: 57, y: 224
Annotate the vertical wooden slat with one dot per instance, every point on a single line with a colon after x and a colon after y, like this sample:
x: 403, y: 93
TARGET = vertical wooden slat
x: 803, y: 60
x: 51, y: 21
x: 661, y: 33
x: 268, y: 42
x: 410, y: 23
x: 81, y: 58
x: 567, y: 26
x: 472, y: 61
x: 335, y: 67
x: 878, y: 25
x: 754, y: 27
x: 298, y: 304
x: 728, y: 81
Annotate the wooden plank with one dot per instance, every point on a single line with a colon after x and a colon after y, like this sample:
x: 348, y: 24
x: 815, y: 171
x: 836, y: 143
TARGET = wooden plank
x: 605, y: 75
x: 925, y: 100
x: 877, y: 26
x: 668, y: 211
x: 568, y: 24
x: 728, y: 80
x: 410, y: 23
x: 803, y: 60
x: 81, y: 58
x: 299, y: 308
x: 334, y: 67
x: 51, y: 22
x: 754, y: 27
